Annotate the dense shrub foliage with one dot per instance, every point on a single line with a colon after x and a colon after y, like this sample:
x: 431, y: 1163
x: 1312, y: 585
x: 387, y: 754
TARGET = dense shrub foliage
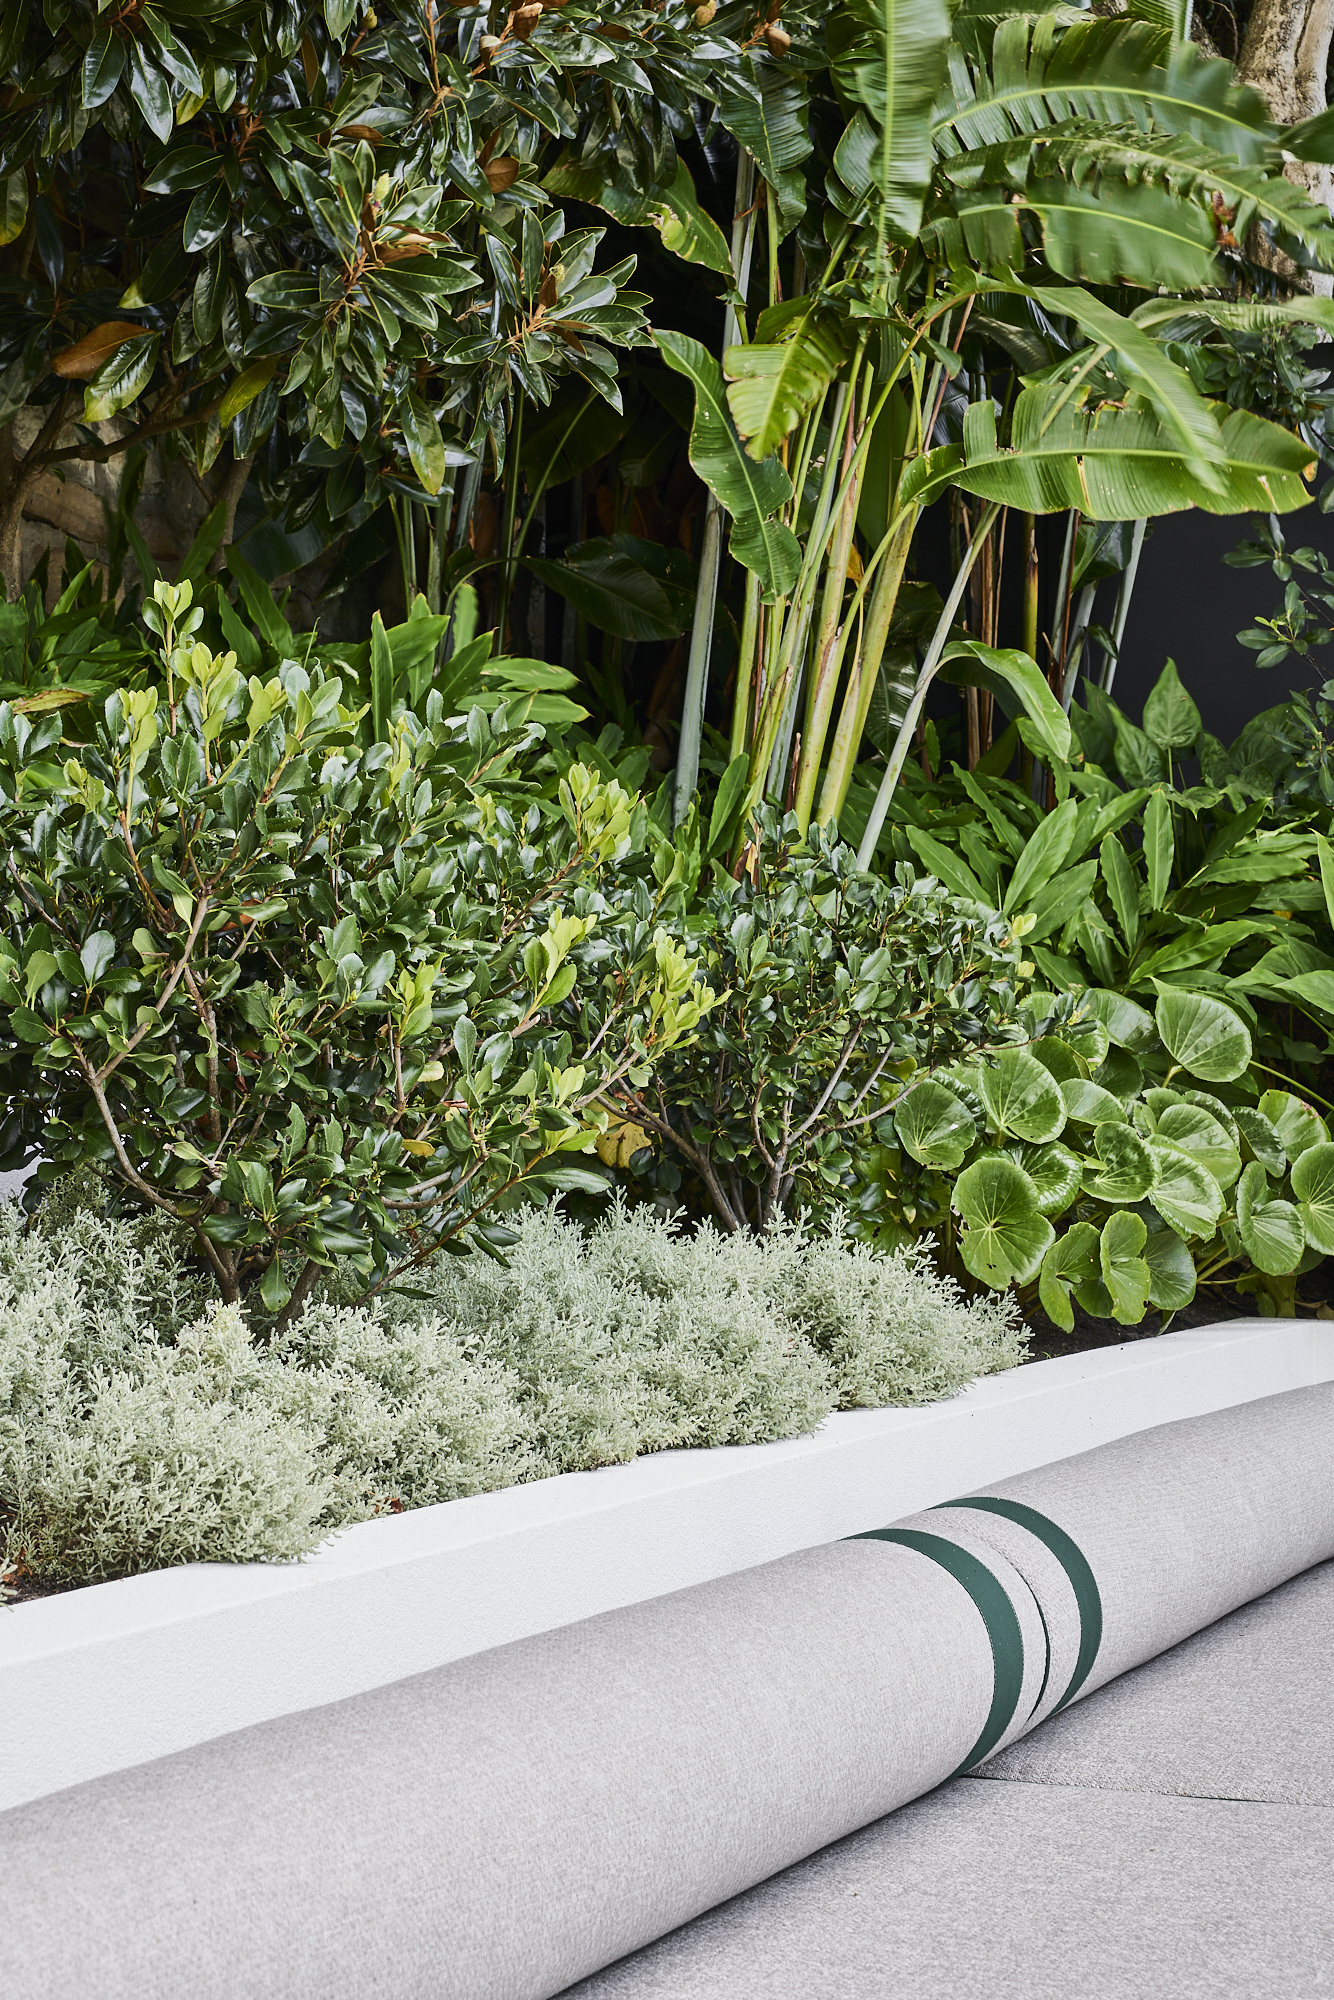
x: 144, y: 1423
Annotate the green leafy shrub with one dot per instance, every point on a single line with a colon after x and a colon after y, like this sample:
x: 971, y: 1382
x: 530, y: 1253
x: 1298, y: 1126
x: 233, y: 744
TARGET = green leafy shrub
x: 303, y: 992
x: 1130, y: 1166
x: 142, y: 1423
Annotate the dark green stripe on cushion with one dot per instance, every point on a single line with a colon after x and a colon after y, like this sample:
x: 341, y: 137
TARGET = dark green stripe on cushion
x: 998, y: 1615
x: 1075, y: 1564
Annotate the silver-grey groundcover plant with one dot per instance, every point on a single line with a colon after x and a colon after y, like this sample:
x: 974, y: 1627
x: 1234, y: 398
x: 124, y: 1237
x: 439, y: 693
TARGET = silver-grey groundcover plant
x: 142, y: 1423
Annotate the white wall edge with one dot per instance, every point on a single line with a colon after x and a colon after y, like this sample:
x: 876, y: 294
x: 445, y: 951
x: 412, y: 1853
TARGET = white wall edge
x: 118, y: 1673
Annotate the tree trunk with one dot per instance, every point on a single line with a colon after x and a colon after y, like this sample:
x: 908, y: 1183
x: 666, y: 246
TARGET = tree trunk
x: 1283, y: 57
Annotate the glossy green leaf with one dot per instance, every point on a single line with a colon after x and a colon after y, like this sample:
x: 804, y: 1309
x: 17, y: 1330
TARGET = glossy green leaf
x: 1204, y: 1035
x: 889, y: 57
x: 1071, y: 1261
x: 966, y: 660
x: 1122, y: 886
x: 251, y: 382
x: 1128, y: 1024
x: 934, y: 1125
x: 1184, y: 1192
x: 1196, y: 1132
x: 1005, y: 1236
x: 1159, y: 847
x: 1058, y: 1058
x: 1043, y: 855
x: 1171, y: 1271
x: 771, y: 384
x: 688, y: 230
x: 13, y: 206
x: 608, y: 582
x: 1087, y: 1103
x: 1298, y: 1125
x: 1021, y: 1097
x: 751, y: 492
x: 426, y: 447
x: 121, y: 379
x: 1170, y: 716
x: 1313, y: 1185
x: 1124, y: 1271
x: 1271, y: 1231
x: 1127, y: 1165
x: 1054, y: 1171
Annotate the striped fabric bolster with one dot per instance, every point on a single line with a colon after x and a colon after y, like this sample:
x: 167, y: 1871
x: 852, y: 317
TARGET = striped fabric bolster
x: 998, y: 1615
x: 1075, y: 1564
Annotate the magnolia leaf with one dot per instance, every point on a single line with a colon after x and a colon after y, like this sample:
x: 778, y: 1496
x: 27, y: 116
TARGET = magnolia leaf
x: 1021, y: 1097
x: 1313, y: 1185
x: 82, y: 361
x: 1127, y: 1165
x: 421, y: 434
x: 934, y: 1125
x: 248, y: 384
x: 1071, y: 1261
x: 13, y: 206
x: 752, y: 493
x: 1184, y: 1193
x: 121, y: 380
x: 1298, y: 1126
x: 1171, y: 1271
x: 1005, y: 1236
x: 1203, y: 1034
x: 1271, y: 1232
x: 1054, y: 1171
x: 1124, y: 1271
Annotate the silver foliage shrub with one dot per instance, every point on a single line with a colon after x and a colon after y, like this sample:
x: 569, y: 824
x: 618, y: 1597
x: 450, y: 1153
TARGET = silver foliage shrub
x: 142, y: 1424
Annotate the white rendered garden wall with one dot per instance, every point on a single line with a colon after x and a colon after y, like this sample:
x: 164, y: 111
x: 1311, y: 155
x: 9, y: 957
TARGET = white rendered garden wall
x: 101, y: 1678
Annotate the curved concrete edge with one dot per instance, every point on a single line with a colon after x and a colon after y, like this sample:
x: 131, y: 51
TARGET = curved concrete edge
x: 119, y: 1673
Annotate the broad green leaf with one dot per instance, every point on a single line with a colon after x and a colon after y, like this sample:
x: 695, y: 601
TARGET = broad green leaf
x: 1088, y: 1038
x: 1170, y: 716
x: 1217, y: 1110
x: 1042, y: 856
x: 1053, y: 1169
x: 967, y: 661
x: 1203, y: 1034
x: 1315, y: 988
x: 1298, y: 1125
x: 13, y: 206
x: 1138, y: 758
x: 1071, y: 1261
x: 1120, y: 1074
x: 1271, y: 1231
x: 1087, y: 1103
x: 764, y: 107
x: 1124, y: 1271
x: 1005, y: 1236
x: 1184, y: 1193
x: 1171, y: 1271
x: 752, y: 493
x: 731, y: 791
x: 1058, y: 1057
x: 421, y: 434
x: 771, y: 384
x: 1325, y: 855
x: 1159, y: 847
x: 1122, y: 886
x: 889, y: 56
x: 382, y: 680
x: 611, y: 586
x: 934, y: 1125
x: 947, y: 866
x: 121, y: 379
x: 1192, y: 1128
x: 1128, y: 1025
x: 1313, y: 1185
x: 688, y: 230
x: 1127, y: 1165
x: 1113, y: 462
x: 1118, y: 233
x: 250, y: 383
x: 1021, y: 1097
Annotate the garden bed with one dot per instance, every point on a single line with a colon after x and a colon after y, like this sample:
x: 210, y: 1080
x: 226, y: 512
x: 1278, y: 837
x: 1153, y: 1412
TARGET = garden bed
x: 122, y: 1672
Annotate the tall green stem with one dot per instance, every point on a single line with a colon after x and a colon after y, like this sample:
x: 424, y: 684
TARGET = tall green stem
x: 1122, y: 612
x: 745, y: 666
x: 865, y: 674
x: 930, y: 665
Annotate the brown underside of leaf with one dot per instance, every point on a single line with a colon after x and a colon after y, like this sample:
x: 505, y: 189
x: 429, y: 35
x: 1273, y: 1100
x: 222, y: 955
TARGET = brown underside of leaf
x: 82, y: 361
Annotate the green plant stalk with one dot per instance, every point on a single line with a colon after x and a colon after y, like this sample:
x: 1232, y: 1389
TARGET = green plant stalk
x: 1032, y: 587
x: 745, y: 666
x: 865, y: 673
x: 1122, y: 611
x: 930, y: 665
x: 1074, y: 645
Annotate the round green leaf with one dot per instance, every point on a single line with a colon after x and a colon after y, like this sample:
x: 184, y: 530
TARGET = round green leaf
x: 1124, y: 1271
x: 1006, y: 1236
x: 1271, y: 1231
x: 1216, y: 1109
x: 1184, y: 1192
x: 1087, y: 1103
x: 1171, y: 1271
x: 1072, y: 1260
x: 1021, y: 1098
x: 1058, y: 1057
x: 1054, y: 1171
x: 934, y: 1126
x: 1127, y: 1024
x: 1203, y: 1035
x: 1298, y: 1126
x: 1199, y: 1133
x: 1119, y: 1073
x: 1089, y: 1039
x: 1127, y: 1165
x: 1313, y: 1185
x: 1259, y: 1137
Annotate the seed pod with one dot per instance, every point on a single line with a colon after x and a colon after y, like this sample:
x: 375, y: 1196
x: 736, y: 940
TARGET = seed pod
x: 526, y: 18
x: 704, y: 14
x: 488, y: 46
x: 777, y: 40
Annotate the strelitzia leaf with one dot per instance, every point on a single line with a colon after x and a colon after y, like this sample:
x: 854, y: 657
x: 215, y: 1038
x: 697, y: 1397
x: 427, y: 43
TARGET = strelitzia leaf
x: 889, y: 56
x: 771, y: 384
x: 967, y: 661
